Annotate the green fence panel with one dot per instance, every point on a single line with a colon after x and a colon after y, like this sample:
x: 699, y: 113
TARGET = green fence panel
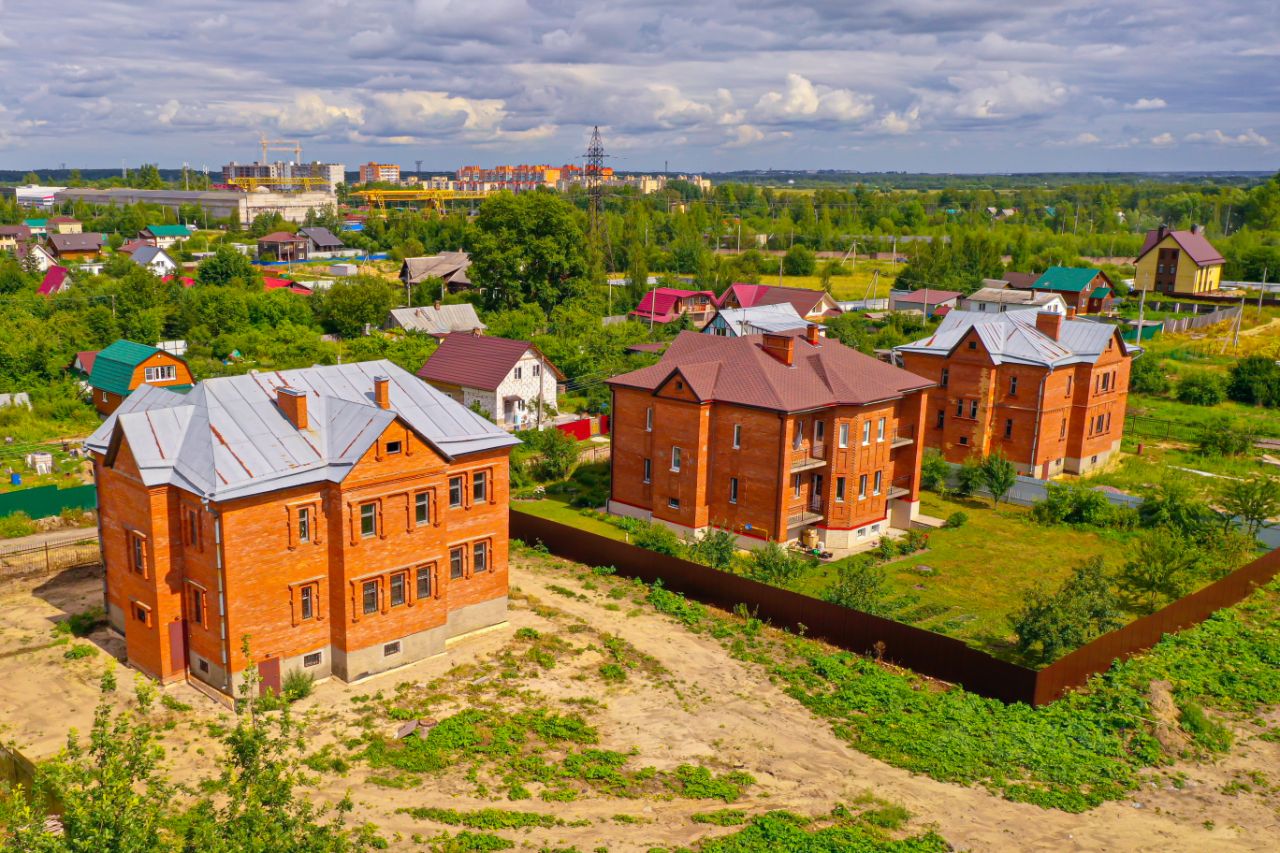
x: 44, y: 501
x: 1148, y: 332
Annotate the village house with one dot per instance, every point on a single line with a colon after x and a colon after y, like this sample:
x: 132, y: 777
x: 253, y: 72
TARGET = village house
x: 1086, y: 291
x: 63, y: 225
x: 164, y: 236
x: 668, y: 304
x: 1047, y: 391
x: 282, y: 246
x: 510, y: 382
x: 1178, y: 262
x: 74, y: 247
x: 155, y: 260
x: 779, y: 437
x: 996, y: 300
x: 320, y: 240
x: 119, y: 369
x: 55, y: 280
x: 926, y: 300
x: 348, y: 519
x: 436, y: 320
x: 31, y: 252
x: 39, y: 227
x: 813, y: 305
x: 735, y: 322
x: 450, y: 267
x: 12, y: 235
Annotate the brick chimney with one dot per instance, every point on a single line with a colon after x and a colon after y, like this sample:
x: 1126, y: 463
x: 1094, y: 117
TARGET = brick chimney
x: 1049, y: 323
x: 293, y: 403
x: 1195, y: 229
x: 382, y: 392
x: 811, y: 334
x: 1162, y: 232
x: 781, y: 347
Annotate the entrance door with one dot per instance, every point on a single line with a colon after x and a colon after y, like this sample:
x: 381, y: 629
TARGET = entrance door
x: 815, y: 493
x: 177, y: 645
x: 269, y: 671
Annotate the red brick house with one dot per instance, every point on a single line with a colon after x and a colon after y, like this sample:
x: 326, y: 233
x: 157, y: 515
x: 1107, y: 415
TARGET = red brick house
x: 348, y: 519
x: 1047, y: 391
x: 768, y: 436
x: 668, y: 304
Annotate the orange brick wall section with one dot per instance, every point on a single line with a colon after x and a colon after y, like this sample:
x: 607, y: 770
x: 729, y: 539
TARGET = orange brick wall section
x: 265, y: 565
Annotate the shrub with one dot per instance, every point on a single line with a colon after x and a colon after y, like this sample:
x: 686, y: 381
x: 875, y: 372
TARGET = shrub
x: 715, y: 548
x: 1223, y: 437
x: 16, y: 524
x: 914, y: 540
x: 83, y: 623
x: 933, y: 471
x: 1163, y: 565
x: 969, y: 477
x: 1201, y: 389
x: 657, y: 537
x: 298, y: 684
x: 1050, y: 624
x: 1204, y: 732
x: 1147, y: 376
x: 1073, y: 503
x: 799, y: 260
x: 859, y: 585
x: 1255, y: 380
x: 79, y: 652
x: 776, y: 565
x: 956, y: 519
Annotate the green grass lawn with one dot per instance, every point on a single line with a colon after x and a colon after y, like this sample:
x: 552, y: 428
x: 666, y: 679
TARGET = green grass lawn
x: 559, y: 510
x: 978, y: 573
x: 846, y: 287
x: 1189, y: 419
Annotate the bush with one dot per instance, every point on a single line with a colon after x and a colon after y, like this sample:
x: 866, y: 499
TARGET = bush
x: 715, y: 548
x: 1255, y: 380
x: 16, y: 524
x: 799, y: 260
x: 914, y: 540
x: 969, y: 477
x: 956, y: 519
x: 1223, y: 437
x: 776, y: 565
x: 1147, y: 376
x: 1201, y: 389
x: 933, y: 471
x: 298, y: 684
x: 1073, y: 503
x: 79, y: 652
x: 1204, y: 732
x: 859, y: 585
x: 1050, y: 624
x: 657, y: 537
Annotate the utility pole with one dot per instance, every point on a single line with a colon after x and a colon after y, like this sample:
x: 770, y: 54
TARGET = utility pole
x: 1235, y: 341
x: 1262, y: 291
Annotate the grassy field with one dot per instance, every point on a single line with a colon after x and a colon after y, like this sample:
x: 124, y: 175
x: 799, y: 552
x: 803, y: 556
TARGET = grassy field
x: 558, y: 510
x: 972, y: 577
x: 1190, y: 419
x: 847, y: 287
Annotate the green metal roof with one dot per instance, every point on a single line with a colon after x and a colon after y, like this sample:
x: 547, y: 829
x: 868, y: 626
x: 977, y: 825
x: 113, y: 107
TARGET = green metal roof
x: 114, y: 366
x: 1071, y: 279
x: 35, y: 223
x: 169, y: 230
x: 1101, y: 292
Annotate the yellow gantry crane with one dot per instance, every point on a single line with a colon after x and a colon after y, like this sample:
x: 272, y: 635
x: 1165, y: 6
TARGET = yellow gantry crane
x: 434, y: 199
x: 297, y: 184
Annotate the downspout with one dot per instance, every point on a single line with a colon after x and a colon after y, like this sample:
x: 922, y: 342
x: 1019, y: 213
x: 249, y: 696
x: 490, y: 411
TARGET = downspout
x: 220, y: 565
x: 1035, y: 437
x: 784, y: 470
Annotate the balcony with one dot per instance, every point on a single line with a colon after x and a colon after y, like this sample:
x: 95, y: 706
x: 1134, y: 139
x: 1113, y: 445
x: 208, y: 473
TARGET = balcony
x: 899, y: 488
x: 806, y: 456
x: 802, y: 518
x: 903, y: 437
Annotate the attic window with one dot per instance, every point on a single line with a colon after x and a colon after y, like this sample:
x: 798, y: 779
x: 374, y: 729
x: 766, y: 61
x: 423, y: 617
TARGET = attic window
x: 973, y: 344
x: 393, y: 447
x: 679, y: 385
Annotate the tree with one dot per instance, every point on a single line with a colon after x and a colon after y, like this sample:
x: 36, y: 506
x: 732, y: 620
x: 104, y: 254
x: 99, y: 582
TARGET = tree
x: 1201, y: 389
x: 714, y: 548
x: 225, y: 267
x: 528, y: 248
x: 1173, y: 505
x: 348, y: 306
x: 1050, y: 624
x: 1253, y: 500
x: 1222, y: 436
x: 968, y: 476
x: 934, y: 470
x: 1147, y: 376
x: 773, y: 564
x: 799, y: 260
x: 1255, y: 379
x: 998, y: 475
x: 559, y: 452
x: 859, y: 585
x: 1162, y: 565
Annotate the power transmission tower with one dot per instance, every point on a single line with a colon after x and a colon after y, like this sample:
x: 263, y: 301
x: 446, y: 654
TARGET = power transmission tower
x: 418, y: 163
x: 594, y: 174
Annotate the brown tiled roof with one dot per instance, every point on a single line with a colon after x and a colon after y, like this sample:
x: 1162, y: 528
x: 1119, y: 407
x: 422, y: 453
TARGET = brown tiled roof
x: 1193, y: 243
x: 476, y: 361
x: 1020, y: 280
x: 738, y: 370
x: 282, y: 237
x: 89, y: 242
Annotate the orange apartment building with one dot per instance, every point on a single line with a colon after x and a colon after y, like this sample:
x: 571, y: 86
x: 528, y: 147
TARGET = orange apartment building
x: 1047, y: 391
x: 348, y: 519
x: 770, y: 436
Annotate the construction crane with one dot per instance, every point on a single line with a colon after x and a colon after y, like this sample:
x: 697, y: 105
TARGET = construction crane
x: 293, y: 145
x: 434, y: 199
x: 295, y: 184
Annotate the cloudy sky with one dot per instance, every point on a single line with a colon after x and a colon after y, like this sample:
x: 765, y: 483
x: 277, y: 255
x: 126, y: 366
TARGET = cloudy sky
x: 921, y: 85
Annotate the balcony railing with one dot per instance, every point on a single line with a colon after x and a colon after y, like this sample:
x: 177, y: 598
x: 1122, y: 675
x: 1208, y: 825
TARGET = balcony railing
x: 899, y: 488
x: 903, y: 437
x: 802, y: 518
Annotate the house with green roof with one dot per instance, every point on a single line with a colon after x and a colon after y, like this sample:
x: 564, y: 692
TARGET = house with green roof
x: 1086, y: 291
x: 164, y: 236
x: 39, y: 227
x: 120, y: 368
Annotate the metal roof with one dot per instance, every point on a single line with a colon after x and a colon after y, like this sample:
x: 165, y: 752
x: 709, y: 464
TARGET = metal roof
x: 144, y: 255
x: 114, y: 366
x: 1194, y: 243
x: 168, y: 231
x: 228, y: 438
x: 759, y: 319
x: 1066, y: 279
x: 1009, y: 296
x: 437, y: 320
x: 1012, y: 337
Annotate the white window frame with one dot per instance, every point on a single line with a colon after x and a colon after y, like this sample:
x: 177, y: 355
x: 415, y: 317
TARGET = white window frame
x: 840, y: 487
x: 160, y: 373
x: 648, y: 419
x: 843, y: 435
x: 675, y: 459
x: 866, y: 432
x: 733, y: 490
x: 880, y: 430
x: 877, y: 483
x: 737, y: 436
x: 862, y: 487
x: 647, y: 470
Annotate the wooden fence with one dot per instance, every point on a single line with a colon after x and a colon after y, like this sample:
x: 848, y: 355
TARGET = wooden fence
x: 925, y: 652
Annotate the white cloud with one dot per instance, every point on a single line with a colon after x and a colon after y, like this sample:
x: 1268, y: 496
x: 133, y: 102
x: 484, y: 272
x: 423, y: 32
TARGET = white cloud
x: 1217, y: 137
x: 998, y: 95
x: 899, y: 123
x: 744, y: 135
x: 802, y: 100
x: 1085, y: 138
x: 1147, y: 104
x: 1163, y: 139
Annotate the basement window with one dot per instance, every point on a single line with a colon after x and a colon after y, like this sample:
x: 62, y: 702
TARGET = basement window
x: 964, y: 439
x: 391, y: 649
x: 673, y: 503
x: 312, y: 659
x: 202, y: 665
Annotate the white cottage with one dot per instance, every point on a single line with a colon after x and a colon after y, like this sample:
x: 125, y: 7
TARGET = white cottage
x: 510, y: 381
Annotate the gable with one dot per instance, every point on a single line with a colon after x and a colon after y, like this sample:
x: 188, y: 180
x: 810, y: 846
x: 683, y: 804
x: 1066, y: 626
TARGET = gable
x: 381, y: 458
x: 676, y: 387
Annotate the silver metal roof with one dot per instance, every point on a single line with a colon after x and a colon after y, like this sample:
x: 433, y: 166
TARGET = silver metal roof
x: 1012, y: 337
x: 760, y: 319
x: 227, y: 438
x: 437, y: 320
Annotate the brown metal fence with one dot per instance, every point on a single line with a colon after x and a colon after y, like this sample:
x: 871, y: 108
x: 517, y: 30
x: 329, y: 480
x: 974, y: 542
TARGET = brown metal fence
x: 47, y: 559
x: 923, y: 651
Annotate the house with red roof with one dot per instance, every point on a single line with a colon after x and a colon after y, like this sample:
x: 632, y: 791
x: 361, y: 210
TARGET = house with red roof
x: 510, y: 382
x: 927, y: 300
x: 782, y: 437
x: 812, y: 305
x: 283, y: 246
x: 668, y: 304
x: 55, y: 281
x: 270, y: 283
x: 1178, y: 262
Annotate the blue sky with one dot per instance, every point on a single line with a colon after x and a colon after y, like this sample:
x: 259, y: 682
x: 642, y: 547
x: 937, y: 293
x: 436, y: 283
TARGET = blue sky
x: 918, y: 85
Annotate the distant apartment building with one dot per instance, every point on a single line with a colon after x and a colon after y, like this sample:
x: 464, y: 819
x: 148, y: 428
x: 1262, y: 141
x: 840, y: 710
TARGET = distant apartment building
x: 520, y: 178
x: 347, y: 519
x: 1047, y: 391
x: 381, y: 173
x: 32, y: 195
x: 778, y: 437
x: 330, y: 174
x: 1178, y: 262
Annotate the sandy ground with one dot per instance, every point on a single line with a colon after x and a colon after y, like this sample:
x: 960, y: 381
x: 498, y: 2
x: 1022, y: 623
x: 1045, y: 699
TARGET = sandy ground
x: 707, y: 708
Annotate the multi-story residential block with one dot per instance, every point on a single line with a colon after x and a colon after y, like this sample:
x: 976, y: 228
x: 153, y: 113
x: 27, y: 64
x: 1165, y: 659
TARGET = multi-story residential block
x: 1046, y: 391
x: 346, y: 519
x: 1181, y: 262
x: 768, y: 436
x: 511, y: 381
x: 387, y: 173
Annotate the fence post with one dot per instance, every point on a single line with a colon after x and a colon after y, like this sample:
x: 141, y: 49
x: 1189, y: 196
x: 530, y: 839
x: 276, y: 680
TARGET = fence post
x: 47, y: 567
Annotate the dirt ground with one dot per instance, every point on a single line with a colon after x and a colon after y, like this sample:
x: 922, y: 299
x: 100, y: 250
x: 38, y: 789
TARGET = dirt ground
x: 693, y: 703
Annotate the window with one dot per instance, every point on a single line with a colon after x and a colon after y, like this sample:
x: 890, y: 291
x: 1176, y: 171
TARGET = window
x: 1008, y: 428
x: 307, y: 602
x: 197, y: 605
x: 648, y: 470
x: 844, y: 435
x: 480, y: 487
x: 105, y: 399
x: 973, y: 408
x: 455, y: 491
x: 875, y: 528
x: 798, y: 438
x: 862, y: 486
x: 1108, y: 422
x: 537, y: 370
x: 1071, y: 381
x: 142, y: 613
x: 312, y: 659
x: 202, y: 665
x: 733, y: 490
x: 737, y: 436
x: 369, y: 594
x: 139, y: 555
x: 819, y: 431
x: 648, y: 419
x: 795, y: 485
x: 368, y: 520
x: 942, y: 419
x: 946, y: 377
x: 422, y: 508
x: 673, y: 503
x: 880, y: 430
x: 1013, y: 386
x: 964, y: 439
x: 959, y: 408
x: 675, y: 459
x: 393, y: 447
x: 424, y: 582
x: 457, y: 560
x: 163, y: 373
x: 1062, y: 431
x: 866, y: 432
x: 193, y: 527
x: 875, y: 490
x: 304, y: 524
x: 839, y: 490
x: 973, y: 344
x: 479, y: 557
x: 518, y: 372
x: 1106, y: 381
x: 391, y: 649
x: 398, y: 583
x: 1098, y: 428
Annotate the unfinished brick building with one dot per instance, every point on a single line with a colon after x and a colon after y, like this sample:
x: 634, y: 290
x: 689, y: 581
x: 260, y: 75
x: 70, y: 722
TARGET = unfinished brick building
x: 349, y: 519
x: 768, y: 436
x: 1047, y: 391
